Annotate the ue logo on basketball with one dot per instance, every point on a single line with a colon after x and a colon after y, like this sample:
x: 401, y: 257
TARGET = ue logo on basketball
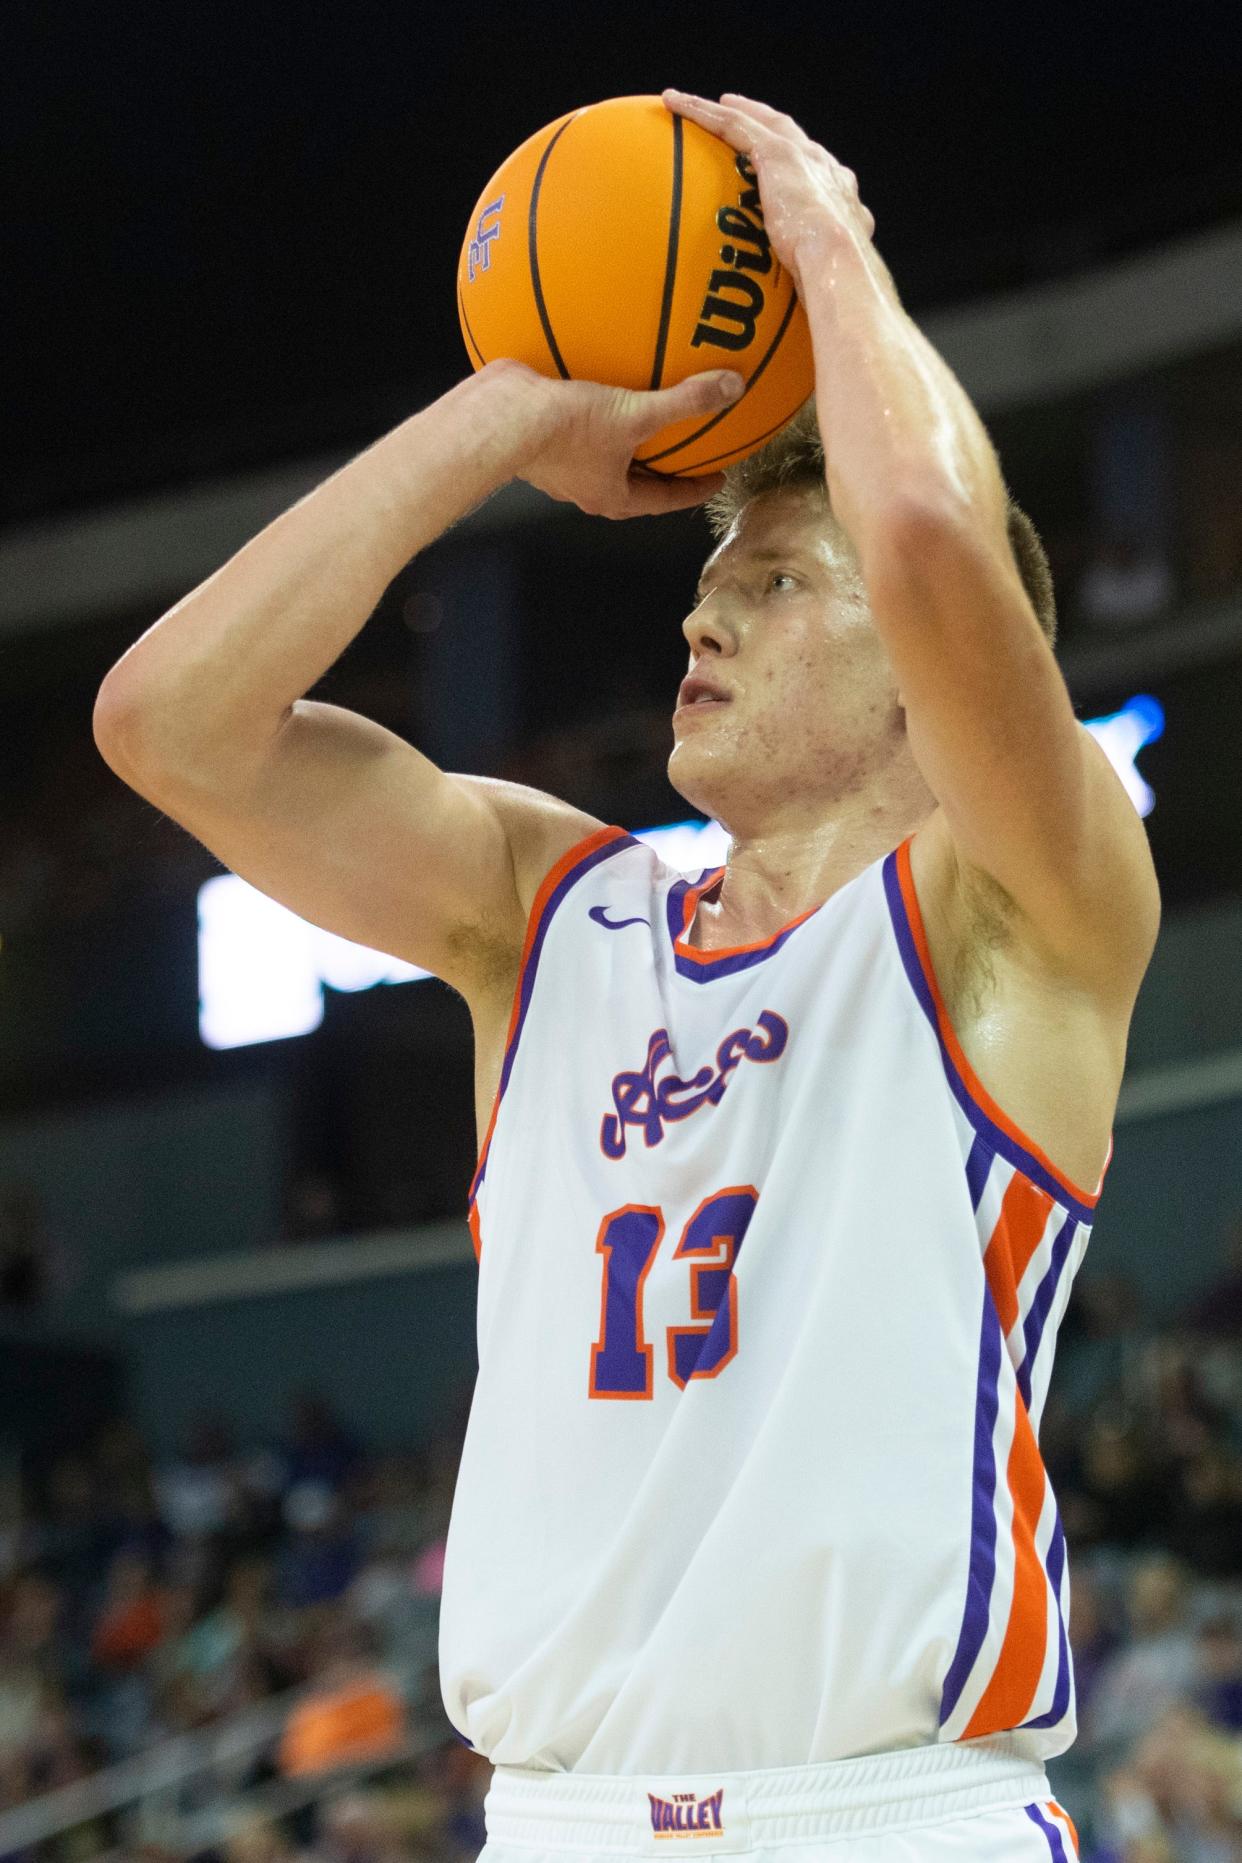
x: 480, y: 251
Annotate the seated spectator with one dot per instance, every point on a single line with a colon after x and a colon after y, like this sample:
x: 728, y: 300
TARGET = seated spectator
x: 224, y: 1638
x: 1205, y: 1513
x: 1112, y: 1492
x: 359, y: 1828
x: 352, y: 1711
x: 313, y: 1207
x: 1186, y: 1419
x: 462, y: 1777
x: 321, y: 1559
x: 131, y: 1621
x: 1178, y: 1799
x: 71, y: 1529
x: 1100, y: 1342
x: 1157, y: 1667
x: 1219, y: 1692
x: 197, y: 1492
x: 255, y: 1841
x: 1093, y: 1638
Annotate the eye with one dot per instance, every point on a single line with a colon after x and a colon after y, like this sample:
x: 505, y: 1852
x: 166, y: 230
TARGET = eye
x: 779, y: 575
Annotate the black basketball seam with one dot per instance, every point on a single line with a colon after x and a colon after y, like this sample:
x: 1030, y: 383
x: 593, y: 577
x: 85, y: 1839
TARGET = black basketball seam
x: 461, y: 305
x: 717, y: 418
x: 670, y: 262
x: 532, y: 242
x: 699, y: 465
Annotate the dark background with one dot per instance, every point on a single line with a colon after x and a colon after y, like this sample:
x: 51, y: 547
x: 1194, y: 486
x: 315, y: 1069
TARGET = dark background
x: 233, y: 230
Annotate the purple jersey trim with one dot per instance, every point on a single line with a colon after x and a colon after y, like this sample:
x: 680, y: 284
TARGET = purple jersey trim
x: 526, y: 982
x: 1061, y: 1696
x: 730, y: 962
x: 982, y: 1570
x: 1041, y: 1306
x: 1051, y: 1834
x: 1000, y: 1142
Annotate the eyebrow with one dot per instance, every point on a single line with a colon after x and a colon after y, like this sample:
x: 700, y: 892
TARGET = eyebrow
x: 755, y: 556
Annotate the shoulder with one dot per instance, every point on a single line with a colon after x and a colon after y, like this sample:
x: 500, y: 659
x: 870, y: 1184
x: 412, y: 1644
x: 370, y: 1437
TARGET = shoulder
x: 538, y: 831
x: 1093, y: 934
x: 977, y: 931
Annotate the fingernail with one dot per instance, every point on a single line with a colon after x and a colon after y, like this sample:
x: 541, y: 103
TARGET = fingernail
x: 731, y: 385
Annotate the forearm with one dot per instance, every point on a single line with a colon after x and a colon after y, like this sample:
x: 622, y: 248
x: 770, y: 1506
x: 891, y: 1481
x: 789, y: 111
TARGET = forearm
x: 899, y: 429
x: 228, y: 661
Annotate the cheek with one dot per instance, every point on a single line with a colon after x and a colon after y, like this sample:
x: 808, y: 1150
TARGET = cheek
x: 795, y: 684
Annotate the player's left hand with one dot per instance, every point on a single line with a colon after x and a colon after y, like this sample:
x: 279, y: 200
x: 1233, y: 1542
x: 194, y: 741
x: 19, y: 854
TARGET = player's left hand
x: 808, y: 196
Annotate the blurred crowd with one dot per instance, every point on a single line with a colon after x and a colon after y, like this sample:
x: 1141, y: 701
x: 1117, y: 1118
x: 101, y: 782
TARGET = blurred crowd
x: 141, y: 1599
x: 292, y: 1590
x: 1143, y: 1439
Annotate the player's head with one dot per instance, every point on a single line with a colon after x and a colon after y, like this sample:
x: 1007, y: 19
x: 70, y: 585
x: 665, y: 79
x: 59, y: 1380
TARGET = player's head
x: 814, y: 714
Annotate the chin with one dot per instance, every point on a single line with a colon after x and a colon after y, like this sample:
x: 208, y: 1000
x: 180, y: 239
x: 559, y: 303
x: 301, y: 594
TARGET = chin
x: 704, y: 789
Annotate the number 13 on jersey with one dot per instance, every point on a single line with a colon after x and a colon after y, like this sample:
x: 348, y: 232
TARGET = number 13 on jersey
x: 628, y: 1240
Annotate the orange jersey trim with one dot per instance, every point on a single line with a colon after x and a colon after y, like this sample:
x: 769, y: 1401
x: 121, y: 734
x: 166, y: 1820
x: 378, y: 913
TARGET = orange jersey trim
x: 690, y: 905
x: 974, y: 1086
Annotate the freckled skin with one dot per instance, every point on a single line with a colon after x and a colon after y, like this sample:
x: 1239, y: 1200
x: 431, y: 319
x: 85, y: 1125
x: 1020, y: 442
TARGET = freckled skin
x: 810, y: 769
x: 808, y: 766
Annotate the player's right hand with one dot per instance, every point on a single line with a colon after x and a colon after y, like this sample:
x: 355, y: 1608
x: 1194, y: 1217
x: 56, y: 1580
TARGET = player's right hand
x: 593, y: 430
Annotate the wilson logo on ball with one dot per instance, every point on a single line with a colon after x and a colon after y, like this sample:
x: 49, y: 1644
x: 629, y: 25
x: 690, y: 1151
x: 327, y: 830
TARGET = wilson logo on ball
x: 729, y: 322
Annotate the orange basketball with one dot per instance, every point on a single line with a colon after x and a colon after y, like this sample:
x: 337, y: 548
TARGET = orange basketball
x: 623, y: 244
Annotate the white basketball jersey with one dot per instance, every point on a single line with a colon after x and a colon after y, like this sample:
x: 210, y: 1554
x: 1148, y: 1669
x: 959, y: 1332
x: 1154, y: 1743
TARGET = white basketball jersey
x: 768, y: 1295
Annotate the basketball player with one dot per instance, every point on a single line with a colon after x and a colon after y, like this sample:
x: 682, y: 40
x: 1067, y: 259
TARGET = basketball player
x: 786, y: 1170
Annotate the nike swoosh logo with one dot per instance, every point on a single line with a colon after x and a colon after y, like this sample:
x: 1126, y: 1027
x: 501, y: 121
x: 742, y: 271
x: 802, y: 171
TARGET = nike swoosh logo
x: 597, y: 913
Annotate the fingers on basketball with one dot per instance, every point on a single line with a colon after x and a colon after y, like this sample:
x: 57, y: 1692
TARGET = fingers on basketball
x: 685, y: 273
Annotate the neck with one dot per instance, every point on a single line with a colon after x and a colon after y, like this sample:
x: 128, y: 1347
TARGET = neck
x: 777, y: 872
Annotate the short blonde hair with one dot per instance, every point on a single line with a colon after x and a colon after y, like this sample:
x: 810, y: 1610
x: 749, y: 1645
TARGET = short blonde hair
x: 794, y: 458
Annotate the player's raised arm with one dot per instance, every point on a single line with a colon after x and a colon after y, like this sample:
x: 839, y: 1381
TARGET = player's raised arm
x: 1029, y: 798
x: 326, y: 811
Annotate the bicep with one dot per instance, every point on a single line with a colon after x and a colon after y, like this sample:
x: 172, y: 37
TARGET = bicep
x: 1029, y: 797
x: 355, y: 830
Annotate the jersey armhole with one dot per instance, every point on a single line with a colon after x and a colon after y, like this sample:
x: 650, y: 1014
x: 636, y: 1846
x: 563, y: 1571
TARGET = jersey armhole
x: 988, y: 1118
x: 556, y: 882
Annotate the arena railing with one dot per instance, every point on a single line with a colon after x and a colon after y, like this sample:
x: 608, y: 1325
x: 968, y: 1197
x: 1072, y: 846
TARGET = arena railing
x: 145, y: 1791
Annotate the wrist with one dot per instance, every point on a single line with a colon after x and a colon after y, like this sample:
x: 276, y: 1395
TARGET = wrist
x: 831, y: 255
x: 511, y: 404
x: 442, y: 462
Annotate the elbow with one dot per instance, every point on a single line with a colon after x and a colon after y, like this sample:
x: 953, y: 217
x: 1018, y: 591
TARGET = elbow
x: 168, y: 749
x: 131, y: 732
x: 923, y: 536
x: 114, y: 724
x: 922, y: 519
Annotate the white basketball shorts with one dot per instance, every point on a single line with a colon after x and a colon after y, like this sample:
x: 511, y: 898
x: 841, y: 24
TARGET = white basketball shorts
x: 973, y: 1802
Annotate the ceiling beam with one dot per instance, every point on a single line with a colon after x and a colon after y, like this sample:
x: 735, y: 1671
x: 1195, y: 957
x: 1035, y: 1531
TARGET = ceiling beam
x: 1011, y: 351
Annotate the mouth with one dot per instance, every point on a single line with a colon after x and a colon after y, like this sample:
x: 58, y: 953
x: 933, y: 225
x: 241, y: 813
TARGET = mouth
x: 699, y: 695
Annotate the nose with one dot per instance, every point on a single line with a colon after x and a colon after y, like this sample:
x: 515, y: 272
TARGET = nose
x: 708, y: 630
